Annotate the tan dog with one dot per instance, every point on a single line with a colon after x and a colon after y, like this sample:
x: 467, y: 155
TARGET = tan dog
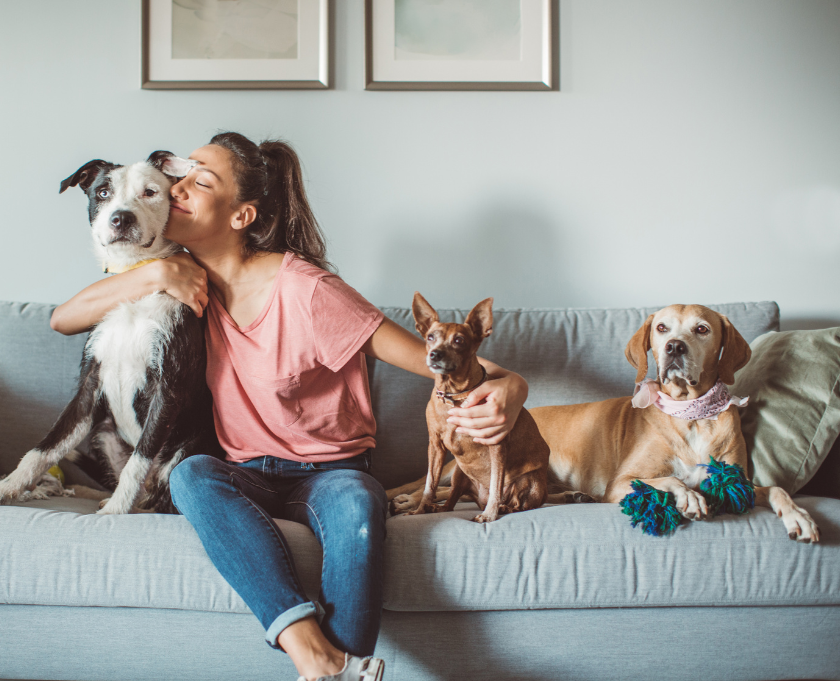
x: 598, y: 448
x: 503, y: 478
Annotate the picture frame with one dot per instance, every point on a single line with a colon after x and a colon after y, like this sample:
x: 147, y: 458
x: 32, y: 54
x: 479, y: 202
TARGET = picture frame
x: 225, y: 45
x: 461, y: 45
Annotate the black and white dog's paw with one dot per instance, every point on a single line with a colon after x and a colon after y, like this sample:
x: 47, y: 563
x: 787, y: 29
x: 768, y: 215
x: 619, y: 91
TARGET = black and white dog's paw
x: 9, y: 492
x: 111, y: 506
x: 44, y: 487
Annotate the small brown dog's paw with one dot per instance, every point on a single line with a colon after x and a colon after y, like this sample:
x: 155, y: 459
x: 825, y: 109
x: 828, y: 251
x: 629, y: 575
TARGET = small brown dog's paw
x: 484, y: 518
x: 581, y: 498
x: 423, y: 508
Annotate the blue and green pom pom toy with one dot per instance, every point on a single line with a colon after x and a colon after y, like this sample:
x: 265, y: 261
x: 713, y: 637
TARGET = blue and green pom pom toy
x: 726, y: 489
x: 654, y: 510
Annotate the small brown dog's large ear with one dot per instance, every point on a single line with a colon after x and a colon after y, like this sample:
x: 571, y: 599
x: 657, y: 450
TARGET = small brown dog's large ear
x: 480, y: 319
x: 637, y: 349
x: 424, y: 314
x: 736, y: 352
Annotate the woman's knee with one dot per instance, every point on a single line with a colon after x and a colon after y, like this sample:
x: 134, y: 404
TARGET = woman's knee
x: 363, y: 504
x: 191, y: 473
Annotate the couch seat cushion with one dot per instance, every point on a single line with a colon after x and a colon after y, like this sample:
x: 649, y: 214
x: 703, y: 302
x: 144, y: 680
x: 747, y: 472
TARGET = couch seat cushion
x: 58, y: 552
x: 588, y: 555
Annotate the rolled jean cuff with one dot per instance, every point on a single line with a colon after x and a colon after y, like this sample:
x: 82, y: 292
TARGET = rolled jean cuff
x: 291, y: 616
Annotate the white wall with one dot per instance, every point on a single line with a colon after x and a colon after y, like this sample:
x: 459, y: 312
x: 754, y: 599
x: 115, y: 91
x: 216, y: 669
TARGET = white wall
x: 691, y: 155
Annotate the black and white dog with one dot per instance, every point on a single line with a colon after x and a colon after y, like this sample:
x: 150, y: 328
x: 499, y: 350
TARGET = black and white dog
x: 142, y: 394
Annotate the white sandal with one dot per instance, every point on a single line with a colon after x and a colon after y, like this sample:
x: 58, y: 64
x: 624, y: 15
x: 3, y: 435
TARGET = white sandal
x: 356, y: 669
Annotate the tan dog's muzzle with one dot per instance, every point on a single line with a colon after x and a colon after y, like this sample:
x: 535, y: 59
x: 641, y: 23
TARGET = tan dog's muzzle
x: 676, y: 360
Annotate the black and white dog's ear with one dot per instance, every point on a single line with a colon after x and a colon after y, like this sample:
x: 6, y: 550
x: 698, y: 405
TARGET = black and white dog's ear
x: 170, y: 164
x: 85, y: 175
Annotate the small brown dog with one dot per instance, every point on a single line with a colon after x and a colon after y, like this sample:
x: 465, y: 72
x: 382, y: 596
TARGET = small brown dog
x: 504, y: 478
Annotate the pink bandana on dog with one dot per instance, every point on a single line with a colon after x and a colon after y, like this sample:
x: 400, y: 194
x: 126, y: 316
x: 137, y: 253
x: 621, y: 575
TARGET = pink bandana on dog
x: 706, y: 406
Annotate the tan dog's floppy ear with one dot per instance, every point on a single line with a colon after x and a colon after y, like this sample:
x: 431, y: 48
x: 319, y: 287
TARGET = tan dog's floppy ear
x: 637, y: 349
x: 736, y: 352
x: 424, y: 314
x: 480, y: 319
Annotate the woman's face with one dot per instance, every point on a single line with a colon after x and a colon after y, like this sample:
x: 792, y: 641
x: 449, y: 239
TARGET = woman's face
x: 204, y: 211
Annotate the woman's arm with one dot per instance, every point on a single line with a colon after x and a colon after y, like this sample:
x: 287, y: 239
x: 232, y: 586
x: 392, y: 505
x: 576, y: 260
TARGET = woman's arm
x: 489, y: 412
x: 178, y: 275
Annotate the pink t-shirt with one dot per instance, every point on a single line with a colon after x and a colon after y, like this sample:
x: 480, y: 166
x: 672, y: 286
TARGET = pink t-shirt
x: 293, y: 383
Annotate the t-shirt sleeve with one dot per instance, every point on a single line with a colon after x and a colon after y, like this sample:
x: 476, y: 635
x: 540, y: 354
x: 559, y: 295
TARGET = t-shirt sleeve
x: 342, y: 321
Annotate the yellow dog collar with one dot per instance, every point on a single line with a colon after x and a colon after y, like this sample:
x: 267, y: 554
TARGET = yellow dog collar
x: 113, y: 269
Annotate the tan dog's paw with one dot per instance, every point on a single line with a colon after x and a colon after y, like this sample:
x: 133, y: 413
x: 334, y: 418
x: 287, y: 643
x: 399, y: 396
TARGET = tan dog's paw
x: 403, y: 503
x: 691, y: 504
x: 800, y: 526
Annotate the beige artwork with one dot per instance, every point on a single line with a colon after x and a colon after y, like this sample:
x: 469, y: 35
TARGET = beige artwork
x: 234, y: 29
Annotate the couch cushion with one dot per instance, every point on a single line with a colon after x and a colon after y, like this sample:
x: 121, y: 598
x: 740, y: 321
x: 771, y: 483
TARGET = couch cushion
x: 588, y: 555
x: 556, y: 557
x: 567, y: 356
x: 57, y: 552
x: 39, y: 369
x: 793, y: 417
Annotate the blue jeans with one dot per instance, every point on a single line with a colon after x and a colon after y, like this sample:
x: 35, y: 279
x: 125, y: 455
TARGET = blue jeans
x: 231, y: 506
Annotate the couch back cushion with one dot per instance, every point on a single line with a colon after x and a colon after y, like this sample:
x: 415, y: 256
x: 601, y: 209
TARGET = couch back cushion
x: 567, y: 356
x: 38, y: 373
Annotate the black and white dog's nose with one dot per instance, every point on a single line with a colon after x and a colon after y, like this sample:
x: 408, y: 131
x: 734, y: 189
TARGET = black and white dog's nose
x: 675, y: 348
x: 123, y: 220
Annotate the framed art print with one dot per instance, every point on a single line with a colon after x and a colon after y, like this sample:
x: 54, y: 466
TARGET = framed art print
x: 460, y: 44
x: 235, y: 44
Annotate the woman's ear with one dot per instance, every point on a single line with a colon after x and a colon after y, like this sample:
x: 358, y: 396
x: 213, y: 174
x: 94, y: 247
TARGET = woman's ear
x: 244, y: 216
x: 736, y: 352
x: 637, y: 349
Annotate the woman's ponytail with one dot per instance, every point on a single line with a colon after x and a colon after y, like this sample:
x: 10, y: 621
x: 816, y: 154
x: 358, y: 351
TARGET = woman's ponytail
x: 270, y: 177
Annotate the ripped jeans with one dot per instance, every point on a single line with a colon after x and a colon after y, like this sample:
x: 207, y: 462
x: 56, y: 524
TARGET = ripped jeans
x: 231, y: 506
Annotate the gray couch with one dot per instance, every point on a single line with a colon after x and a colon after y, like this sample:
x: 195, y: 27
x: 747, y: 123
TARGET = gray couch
x: 566, y: 592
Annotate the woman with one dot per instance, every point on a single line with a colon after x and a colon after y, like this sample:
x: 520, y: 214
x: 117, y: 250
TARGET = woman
x: 291, y: 402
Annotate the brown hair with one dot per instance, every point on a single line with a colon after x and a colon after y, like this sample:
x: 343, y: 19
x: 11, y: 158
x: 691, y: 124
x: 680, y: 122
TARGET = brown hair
x: 269, y: 176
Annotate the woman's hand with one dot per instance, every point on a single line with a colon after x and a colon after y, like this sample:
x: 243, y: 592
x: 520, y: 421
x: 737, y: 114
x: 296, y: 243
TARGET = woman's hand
x: 178, y: 275
x: 183, y: 279
x: 490, y: 411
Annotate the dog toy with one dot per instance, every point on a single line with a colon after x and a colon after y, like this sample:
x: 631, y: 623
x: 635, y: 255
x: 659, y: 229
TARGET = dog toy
x: 656, y: 511
x: 57, y: 473
x: 727, y: 488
